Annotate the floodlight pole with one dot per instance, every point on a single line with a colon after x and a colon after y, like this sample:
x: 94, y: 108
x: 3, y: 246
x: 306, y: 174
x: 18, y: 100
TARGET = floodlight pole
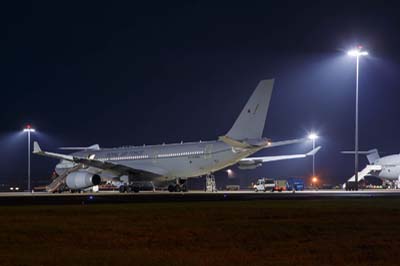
x: 357, y: 53
x: 313, y: 137
x: 29, y: 160
x: 356, y: 129
x: 28, y: 130
x: 313, y: 158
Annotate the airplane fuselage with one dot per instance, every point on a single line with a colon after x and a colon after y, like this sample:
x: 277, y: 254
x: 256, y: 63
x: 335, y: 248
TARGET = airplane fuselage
x: 171, y: 161
x: 390, y: 167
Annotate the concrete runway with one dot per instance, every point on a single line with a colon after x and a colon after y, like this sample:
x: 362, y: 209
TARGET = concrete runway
x: 42, y: 198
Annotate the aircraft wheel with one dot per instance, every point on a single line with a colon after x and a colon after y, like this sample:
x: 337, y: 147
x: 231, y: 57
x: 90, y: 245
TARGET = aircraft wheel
x: 184, y: 188
x: 171, y: 188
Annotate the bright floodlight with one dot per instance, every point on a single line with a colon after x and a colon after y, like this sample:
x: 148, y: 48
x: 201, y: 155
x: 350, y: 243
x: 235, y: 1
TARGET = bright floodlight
x: 314, y: 179
x: 29, y: 128
x: 313, y: 136
x: 357, y: 52
x: 230, y: 172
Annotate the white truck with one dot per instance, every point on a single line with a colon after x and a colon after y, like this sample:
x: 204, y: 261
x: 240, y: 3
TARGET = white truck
x: 264, y: 184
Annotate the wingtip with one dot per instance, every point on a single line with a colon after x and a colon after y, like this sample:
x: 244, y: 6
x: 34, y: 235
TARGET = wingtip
x: 314, y: 151
x: 271, y: 80
x: 267, y: 79
x: 36, y: 147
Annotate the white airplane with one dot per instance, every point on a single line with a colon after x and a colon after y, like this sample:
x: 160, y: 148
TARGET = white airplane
x: 385, y: 168
x: 173, y: 163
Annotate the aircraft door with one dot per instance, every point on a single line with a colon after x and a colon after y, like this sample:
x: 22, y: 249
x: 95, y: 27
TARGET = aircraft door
x: 155, y: 156
x: 208, y: 151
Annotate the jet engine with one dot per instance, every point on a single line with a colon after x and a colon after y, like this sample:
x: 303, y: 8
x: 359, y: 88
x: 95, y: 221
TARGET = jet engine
x: 80, y: 180
x: 249, y: 165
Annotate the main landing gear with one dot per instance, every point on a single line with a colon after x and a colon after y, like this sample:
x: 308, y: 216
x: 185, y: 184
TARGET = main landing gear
x: 180, y: 186
x: 129, y: 188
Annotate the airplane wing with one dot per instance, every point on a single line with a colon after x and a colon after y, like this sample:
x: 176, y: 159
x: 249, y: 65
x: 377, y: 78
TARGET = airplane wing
x: 105, y: 165
x: 254, y: 162
x: 92, y: 147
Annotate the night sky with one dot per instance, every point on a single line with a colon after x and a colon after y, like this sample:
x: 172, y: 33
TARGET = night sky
x: 128, y: 74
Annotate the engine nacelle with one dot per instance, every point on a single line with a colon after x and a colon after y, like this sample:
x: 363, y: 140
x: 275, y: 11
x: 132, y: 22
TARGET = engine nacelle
x: 80, y: 180
x: 249, y: 166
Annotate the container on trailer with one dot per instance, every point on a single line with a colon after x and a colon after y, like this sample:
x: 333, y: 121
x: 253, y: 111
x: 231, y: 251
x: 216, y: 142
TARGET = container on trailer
x: 296, y: 184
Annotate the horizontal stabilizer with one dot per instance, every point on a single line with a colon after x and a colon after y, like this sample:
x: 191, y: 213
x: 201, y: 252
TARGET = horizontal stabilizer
x: 261, y: 143
x: 360, y: 152
x: 313, y: 152
x: 372, y: 155
x: 247, y: 162
x: 235, y: 143
x: 286, y: 142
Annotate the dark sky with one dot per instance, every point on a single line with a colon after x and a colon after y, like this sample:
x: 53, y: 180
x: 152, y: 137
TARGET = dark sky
x: 118, y: 74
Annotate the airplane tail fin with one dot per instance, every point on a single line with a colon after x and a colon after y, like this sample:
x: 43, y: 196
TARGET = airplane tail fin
x: 372, y: 155
x: 251, y: 121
